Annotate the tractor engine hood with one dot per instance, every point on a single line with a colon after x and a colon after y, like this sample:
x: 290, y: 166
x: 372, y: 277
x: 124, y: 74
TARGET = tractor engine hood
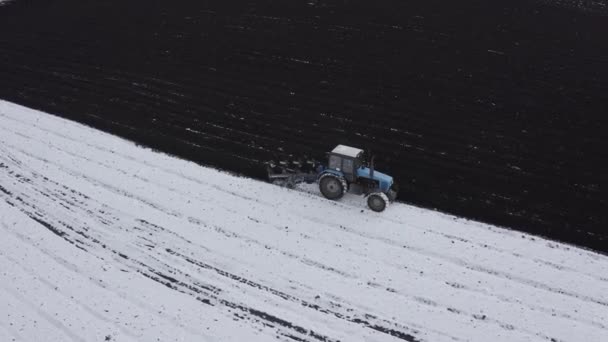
x: 384, y: 180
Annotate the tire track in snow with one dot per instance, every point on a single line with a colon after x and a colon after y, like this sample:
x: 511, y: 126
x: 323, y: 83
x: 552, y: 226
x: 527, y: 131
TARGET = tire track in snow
x: 96, y: 283
x: 89, y: 310
x: 473, y: 266
x: 351, y: 317
x: 54, y: 322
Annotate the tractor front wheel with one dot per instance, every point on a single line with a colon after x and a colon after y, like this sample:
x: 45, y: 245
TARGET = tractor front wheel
x: 377, y: 201
x: 332, y: 187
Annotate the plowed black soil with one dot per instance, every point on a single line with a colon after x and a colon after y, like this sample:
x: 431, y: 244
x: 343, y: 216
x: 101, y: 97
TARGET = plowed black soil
x: 495, y: 110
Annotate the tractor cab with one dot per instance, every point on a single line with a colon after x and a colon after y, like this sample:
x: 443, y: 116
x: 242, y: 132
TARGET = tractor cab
x: 347, y: 160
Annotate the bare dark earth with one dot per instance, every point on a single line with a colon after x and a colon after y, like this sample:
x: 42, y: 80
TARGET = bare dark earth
x: 495, y: 110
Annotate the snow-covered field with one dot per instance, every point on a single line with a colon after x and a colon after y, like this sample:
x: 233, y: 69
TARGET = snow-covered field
x: 104, y: 240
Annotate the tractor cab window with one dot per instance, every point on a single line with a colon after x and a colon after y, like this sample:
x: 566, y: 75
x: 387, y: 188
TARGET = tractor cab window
x: 347, y: 165
x: 334, y: 162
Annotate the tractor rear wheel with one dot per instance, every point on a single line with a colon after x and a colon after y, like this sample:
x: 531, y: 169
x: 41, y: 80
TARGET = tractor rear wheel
x: 332, y: 187
x: 377, y: 201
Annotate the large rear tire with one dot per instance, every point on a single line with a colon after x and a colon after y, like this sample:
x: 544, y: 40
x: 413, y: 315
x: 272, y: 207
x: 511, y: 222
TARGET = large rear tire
x: 332, y: 187
x: 377, y: 201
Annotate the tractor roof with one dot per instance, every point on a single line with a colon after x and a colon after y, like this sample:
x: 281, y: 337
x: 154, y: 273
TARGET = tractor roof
x: 347, y: 151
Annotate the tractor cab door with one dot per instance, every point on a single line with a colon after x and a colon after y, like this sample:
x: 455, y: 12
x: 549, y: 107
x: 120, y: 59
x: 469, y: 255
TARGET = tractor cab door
x: 348, y: 168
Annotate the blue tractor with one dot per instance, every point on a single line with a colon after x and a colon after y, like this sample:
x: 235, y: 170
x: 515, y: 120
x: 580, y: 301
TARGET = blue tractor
x: 346, y: 171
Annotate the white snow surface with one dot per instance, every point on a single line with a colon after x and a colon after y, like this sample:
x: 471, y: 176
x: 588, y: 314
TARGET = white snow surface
x: 102, y: 240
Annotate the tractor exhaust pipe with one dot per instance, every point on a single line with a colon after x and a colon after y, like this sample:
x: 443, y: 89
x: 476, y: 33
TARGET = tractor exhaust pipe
x: 371, y: 168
